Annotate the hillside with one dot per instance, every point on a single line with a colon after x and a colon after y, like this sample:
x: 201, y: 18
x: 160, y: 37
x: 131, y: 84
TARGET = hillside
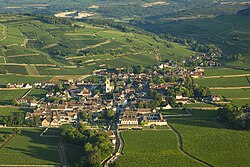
x: 50, y: 46
x: 231, y: 33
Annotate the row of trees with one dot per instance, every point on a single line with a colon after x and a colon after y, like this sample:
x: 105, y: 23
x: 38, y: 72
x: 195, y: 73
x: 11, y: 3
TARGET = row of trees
x: 235, y: 117
x: 15, y: 119
x: 96, y: 144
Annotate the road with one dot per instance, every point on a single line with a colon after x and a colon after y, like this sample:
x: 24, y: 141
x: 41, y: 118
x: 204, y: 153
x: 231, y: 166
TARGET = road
x: 227, y: 76
x: 118, y: 150
x: 229, y: 88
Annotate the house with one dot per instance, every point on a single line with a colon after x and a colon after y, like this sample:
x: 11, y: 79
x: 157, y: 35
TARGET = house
x: 167, y: 107
x: 153, y: 119
x: 215, y: 98
x: 128, y: 118
x: 112, y: 137
x: 54, y: 123
x: 45, y: 122
x: 181, y: 99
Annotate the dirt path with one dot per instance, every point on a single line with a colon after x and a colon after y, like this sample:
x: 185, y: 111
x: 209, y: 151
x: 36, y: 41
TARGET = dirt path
x: 26, y: 94
x: 5, y: 32
x: 25, y: 55
x: 185, y: 152
x: 228, y: 76
x: 229, y: 88
x: 24, y: 44
x: 158, y: 55
x: 95, y: 46
x: 49, y: 46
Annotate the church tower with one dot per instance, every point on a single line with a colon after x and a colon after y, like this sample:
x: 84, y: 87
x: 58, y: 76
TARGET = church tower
x: 107, y: 85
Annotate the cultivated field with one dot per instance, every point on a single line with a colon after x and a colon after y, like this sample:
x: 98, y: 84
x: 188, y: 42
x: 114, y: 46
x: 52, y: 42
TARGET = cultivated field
x: 6, y: 96
x: 152, y: 148
x: 5, y: 79
x: 224, y: 71
x: 37, y: 93
x: 33, y: 47
x: 30, y: 149
x: 223, y: 82
x: 205, y: 140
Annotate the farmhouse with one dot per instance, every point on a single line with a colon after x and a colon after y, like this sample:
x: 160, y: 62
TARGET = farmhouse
x: 153, y: 119
x: 128, y: 118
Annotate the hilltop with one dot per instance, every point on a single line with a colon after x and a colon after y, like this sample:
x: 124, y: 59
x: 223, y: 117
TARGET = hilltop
x: 32, y: 45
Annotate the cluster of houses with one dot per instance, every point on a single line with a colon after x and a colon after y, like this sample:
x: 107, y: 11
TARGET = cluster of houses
x: 130, y: 119
x: 120, y: 92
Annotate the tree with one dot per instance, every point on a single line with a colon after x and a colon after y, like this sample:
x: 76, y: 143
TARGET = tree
x: 110, y: 113
x: 16, y: 131
x: 140, y: 104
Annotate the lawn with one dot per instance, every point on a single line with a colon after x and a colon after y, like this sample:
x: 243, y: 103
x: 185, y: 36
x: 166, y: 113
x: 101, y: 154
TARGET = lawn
x: 6, y: 96
x: 223, y: 82
x: 205, y: 140
x: 152, y: 148
x: 30, y: 149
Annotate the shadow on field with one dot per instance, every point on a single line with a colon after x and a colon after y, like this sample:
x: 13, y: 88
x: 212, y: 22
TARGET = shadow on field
x: 201, y: 118
x: 33, y: 146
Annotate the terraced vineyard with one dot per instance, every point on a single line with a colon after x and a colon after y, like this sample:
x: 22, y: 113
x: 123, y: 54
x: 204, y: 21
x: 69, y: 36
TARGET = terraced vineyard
x: 29, y: 46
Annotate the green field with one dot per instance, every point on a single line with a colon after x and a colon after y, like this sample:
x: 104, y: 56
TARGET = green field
x: 172, y: 112
x: 30, y: 149
x: 16, y: 69
x: 37, y: 93
x: 6, y: 96
x: 235, y: 93
x: 224, y: 71
x: 5, y: 79
x: 223, y: 82
x: 152, y: 148
x: 238, y: 97
x: 206, y: 140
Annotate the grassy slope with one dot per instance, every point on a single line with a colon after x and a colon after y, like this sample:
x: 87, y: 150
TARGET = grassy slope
x: 215, y: 145
x: 152, y: 148
x: 29, y: 148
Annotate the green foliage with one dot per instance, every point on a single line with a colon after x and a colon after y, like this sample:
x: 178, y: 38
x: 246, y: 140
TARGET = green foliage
x: 96, y: 145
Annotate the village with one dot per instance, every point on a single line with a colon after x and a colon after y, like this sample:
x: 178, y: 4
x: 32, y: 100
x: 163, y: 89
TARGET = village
x: 133, y: 99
